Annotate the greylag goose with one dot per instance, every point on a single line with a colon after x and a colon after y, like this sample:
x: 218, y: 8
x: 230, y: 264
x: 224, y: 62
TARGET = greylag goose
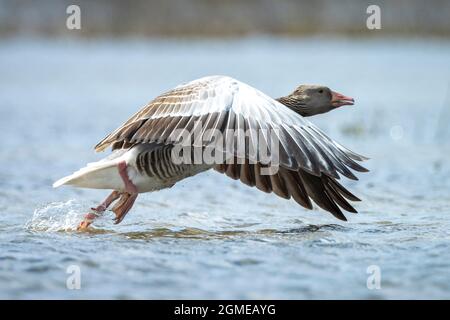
x: 308, y: 162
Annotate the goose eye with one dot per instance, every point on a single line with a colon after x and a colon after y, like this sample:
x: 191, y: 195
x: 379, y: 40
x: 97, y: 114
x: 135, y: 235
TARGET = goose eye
x: 320, y: 91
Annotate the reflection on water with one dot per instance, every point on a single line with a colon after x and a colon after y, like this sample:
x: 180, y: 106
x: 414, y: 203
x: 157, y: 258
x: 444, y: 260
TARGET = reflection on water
x: 65, y: 217
x: 209, y: 236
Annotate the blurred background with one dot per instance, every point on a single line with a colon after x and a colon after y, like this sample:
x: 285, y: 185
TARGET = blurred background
x: 215, y: 18
x: 62, y: 90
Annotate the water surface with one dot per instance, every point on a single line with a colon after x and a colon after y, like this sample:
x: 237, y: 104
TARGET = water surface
x: 210, y: 236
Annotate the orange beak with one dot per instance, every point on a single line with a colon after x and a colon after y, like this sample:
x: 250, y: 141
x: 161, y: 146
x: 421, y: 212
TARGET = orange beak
x: 338, y: 100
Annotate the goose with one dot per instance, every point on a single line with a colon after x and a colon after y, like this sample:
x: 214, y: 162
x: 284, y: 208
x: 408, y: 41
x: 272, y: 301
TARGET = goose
x: 308, y: 162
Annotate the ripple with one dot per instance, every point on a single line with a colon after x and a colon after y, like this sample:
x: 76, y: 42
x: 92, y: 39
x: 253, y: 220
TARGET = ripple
x: 246, y: 262
x: 193, y: 233
x: 315, y: 228
x: 197, y: 233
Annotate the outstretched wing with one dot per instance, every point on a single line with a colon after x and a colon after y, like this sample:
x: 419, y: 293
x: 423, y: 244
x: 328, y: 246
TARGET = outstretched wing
x: 227, y: 105
x: 224, y: 103
x: 299, y: 185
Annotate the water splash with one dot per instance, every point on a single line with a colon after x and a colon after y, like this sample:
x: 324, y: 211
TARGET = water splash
x: 57, y: 216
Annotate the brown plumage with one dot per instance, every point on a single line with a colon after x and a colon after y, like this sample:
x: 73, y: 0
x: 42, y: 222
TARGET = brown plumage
x: 309, y: 161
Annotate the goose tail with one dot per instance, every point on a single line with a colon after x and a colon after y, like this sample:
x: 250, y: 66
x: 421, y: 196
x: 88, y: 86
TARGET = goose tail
x: 97, y: 175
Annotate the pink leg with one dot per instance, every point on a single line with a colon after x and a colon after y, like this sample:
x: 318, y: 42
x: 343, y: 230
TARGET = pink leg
x: 127, y: 198
x: 123, y: 206
x: 89, y: 217
x: 129, y: 186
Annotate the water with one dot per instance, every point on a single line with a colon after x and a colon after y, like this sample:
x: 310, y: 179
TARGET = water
x: 209, y: 236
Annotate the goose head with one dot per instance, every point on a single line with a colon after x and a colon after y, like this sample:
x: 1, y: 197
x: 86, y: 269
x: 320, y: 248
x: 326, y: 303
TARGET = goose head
x: 309, y: 100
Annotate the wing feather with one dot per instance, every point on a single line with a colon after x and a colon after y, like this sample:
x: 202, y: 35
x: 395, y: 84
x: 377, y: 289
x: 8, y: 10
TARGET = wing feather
x: 309, y: 160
